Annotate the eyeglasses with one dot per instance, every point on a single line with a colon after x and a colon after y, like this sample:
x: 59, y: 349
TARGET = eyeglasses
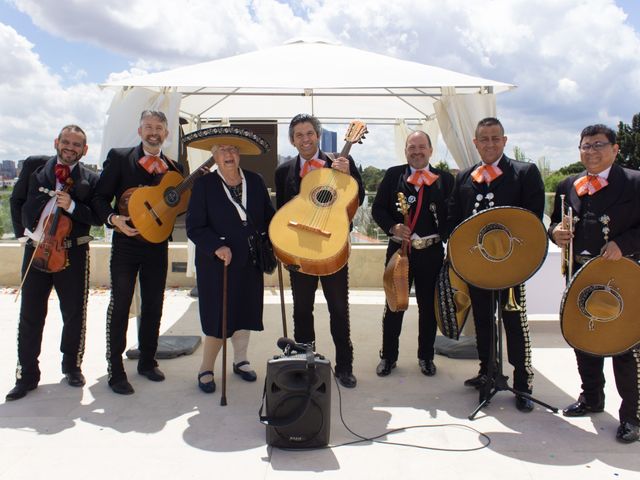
x: 596, y: 147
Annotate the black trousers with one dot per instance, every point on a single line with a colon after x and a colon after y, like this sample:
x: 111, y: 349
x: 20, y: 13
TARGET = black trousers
x: 72, y: 287
x: 517, y: 332
x: 129, y: 258
x: 424, y: 266
x: 626, y: 370
x: 336, y: 291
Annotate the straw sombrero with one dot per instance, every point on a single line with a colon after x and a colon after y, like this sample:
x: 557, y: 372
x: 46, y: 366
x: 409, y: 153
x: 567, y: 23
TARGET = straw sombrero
x: 452, y: 302
x: 599, y: 309
x: 498, y: 248
x: 247, y: 142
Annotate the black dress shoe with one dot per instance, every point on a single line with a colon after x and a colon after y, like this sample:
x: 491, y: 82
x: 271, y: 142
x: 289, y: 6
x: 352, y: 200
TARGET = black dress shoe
x: 476, y: 382
x: 75, y: 379
x: 347, y: 379
x: 246, y: 375
x: 427, y: 367
x: 627, y: 433
x: 154, y: 374
x: 19, y: 391
x: 524, y: 404
x: 384, y: 367
x: 206, y: 387
x: 122, y: 387
x: 581, y: 408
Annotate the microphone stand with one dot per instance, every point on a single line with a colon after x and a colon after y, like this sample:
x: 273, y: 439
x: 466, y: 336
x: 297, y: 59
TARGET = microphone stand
x: 496, y: 379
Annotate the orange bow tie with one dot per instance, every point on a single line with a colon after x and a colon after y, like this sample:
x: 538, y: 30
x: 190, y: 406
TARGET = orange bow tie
x: 486, y: 173
x: 589, y: 184
x: 311, y: 165
x: 422, y: 177
x: 153, y: 164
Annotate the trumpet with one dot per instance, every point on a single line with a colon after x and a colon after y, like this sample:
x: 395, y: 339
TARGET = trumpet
x: 566, y: 261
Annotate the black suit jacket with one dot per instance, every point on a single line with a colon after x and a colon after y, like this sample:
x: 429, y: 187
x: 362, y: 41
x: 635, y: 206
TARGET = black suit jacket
x: 385, y: 211
x: 21, y: 189
x: 520, y: 185
x: 619, y: 200
x: 30, y: 206
x: 287, y: 179
x: 122, y: 171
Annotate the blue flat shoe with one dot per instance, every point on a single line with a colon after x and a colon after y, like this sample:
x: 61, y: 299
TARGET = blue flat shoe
x: 206, y: 387
x: 247, y: 376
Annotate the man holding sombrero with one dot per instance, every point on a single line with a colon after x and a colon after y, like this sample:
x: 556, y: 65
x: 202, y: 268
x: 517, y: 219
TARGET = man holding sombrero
x: 498, y: 181
x: 606, y: 200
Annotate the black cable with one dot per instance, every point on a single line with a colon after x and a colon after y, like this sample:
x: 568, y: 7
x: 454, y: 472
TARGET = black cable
x: 374, y: 439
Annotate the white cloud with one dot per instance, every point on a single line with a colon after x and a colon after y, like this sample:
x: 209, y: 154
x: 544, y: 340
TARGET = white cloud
x: 575, y: 61
x: 35, y: 105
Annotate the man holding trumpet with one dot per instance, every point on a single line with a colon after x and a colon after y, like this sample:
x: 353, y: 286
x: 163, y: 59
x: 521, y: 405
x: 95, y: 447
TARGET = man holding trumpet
x: 606, y: 201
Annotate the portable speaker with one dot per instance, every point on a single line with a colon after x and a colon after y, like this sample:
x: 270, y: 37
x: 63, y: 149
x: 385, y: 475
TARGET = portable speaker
x: 298, y: 401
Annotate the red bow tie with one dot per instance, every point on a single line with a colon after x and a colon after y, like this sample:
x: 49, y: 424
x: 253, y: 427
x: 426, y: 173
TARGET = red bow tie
x: 486, y: 173
x: 589, y: 184
x: 422, y: 177
x: 62, y: 172
x: 153, y: 164
x: 311, y: 165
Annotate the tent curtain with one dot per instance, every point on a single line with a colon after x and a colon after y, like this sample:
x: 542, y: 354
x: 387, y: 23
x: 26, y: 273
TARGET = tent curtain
x: 402, y: 131
x: 121, y: 129
x: 458, y: 116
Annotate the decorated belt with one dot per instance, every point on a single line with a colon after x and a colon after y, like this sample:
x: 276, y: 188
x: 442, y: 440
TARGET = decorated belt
x: 421, y: 243
x: 68, y: 242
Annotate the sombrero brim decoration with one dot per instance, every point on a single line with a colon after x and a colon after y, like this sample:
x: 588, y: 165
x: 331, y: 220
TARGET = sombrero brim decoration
x: 247, y: 142
x: 452, y: 302
x: 598, y: 313
x: 498, y: 248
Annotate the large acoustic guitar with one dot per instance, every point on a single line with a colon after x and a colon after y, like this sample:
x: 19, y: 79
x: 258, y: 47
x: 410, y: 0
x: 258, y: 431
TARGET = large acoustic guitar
x: 310, y: 233
x: 153, y: 210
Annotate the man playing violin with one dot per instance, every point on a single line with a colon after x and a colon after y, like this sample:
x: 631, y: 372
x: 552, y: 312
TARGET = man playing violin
x: 427, y: 190
x: 606, y: 199
x: 304, y: 134
x: 52, y: 194
x: 126, y: 168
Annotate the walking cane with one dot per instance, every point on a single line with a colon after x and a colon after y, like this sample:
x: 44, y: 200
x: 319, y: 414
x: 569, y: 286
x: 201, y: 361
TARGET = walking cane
x: 284, y: 313
x: 223, y: 398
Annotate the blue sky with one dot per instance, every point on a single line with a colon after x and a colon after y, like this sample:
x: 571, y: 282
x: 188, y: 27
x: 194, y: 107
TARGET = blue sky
x: 575, y: 61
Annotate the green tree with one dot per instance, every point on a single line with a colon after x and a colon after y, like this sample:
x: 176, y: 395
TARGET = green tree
x: 571, y: 169
x: 371, y: 178
x: 629, y: 141
x: 519, y: 154
x: 443, y: 165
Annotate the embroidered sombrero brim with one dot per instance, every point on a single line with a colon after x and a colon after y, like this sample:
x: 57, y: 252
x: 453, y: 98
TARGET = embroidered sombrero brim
x: 599, y: 309
x: 498, y: 248
x: 247, y: 142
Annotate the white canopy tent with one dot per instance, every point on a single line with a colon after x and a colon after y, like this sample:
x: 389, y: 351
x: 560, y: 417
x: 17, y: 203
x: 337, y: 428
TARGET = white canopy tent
x: 333, y: 82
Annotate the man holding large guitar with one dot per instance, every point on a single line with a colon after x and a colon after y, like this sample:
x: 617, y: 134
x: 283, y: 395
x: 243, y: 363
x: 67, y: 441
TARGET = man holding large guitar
x: 304, y: 134
x: 127, y: 168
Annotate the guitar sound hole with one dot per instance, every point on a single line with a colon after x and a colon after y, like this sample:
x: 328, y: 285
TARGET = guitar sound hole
x: 171, y: 197
x: 323, y: 196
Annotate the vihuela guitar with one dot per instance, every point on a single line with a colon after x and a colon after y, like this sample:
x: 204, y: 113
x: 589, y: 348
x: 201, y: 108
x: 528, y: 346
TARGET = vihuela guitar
x: 396, y: 273
x: 310, y: 233
x: 153, y: 209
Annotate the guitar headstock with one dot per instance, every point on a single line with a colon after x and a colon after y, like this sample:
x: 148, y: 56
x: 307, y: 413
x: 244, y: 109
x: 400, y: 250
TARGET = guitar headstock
x: 356, y: 131
x: 403, y: 206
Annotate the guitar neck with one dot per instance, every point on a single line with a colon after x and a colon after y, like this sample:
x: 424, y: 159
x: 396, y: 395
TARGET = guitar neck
x: 345, y: 150
x: 187, y: 183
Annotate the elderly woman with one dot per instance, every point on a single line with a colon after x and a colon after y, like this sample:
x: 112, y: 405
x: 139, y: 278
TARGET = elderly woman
x: 227, y: 206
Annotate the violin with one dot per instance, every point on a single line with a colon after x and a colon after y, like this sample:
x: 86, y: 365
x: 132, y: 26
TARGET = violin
x: 50, y: 255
